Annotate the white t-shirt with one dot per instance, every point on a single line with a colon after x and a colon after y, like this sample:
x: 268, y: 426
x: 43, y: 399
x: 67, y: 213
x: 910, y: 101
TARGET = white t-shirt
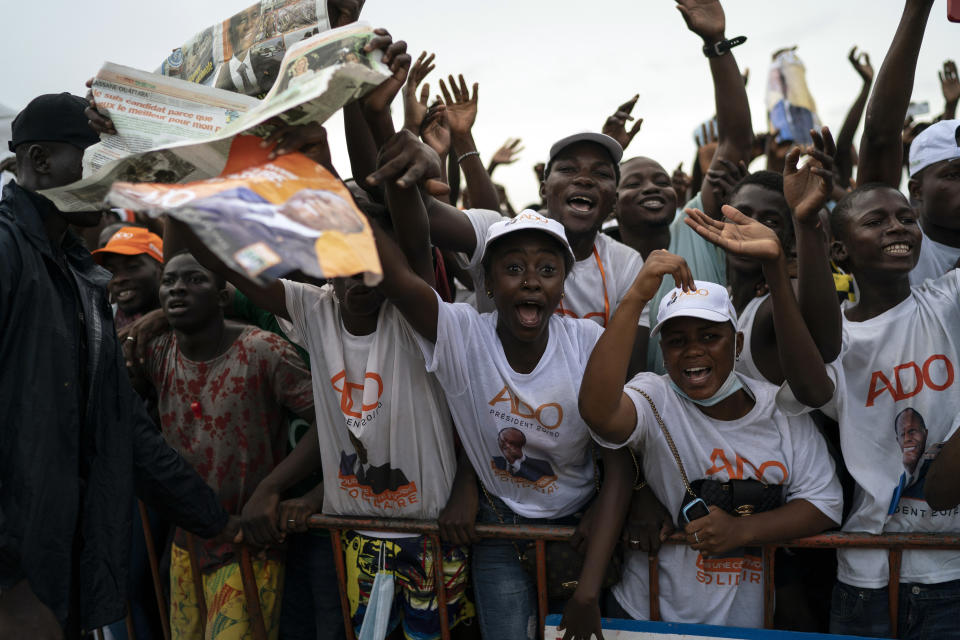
x: 374, y: 390
x: 745, y: 364
x: 935, y: 260
x: 593, y: 289
x: 764, y: 444
x: 486, y: 396
x: 904, y: 358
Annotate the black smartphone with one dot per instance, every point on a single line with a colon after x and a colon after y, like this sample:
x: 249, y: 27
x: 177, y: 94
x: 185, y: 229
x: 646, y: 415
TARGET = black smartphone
x: 694, y: 510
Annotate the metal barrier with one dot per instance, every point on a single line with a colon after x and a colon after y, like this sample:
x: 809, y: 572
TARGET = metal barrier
x: 894, y: 543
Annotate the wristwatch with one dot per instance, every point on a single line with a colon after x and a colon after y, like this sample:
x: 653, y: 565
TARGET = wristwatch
x: 717, y: 49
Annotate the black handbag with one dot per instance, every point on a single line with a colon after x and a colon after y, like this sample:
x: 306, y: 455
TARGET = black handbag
x: 736, y: 497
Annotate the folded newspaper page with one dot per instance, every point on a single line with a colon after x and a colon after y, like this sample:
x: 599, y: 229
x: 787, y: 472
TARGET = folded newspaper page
x: 244, y: 52
x: 266, y: 218
x: 171, y: 130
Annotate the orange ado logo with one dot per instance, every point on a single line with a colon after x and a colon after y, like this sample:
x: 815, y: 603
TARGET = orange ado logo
x: 549, y: 415
x: 911, y: 378
x: 347, y: 390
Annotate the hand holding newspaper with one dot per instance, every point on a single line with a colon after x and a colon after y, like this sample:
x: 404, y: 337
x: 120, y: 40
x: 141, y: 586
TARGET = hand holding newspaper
x: 171, y: 130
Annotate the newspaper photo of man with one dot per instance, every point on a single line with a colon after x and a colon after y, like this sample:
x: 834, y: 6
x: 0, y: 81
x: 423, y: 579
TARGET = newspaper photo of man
x: 244, y: 72
x: 515, y: 462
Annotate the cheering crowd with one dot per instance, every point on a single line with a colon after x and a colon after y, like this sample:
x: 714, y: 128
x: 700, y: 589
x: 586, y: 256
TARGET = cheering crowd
x: 741, y: 357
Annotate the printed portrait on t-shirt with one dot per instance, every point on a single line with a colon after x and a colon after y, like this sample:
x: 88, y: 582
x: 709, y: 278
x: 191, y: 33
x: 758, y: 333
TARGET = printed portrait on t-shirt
x: 374, y: 479
x: 911, y: 431
x: 515, y: 462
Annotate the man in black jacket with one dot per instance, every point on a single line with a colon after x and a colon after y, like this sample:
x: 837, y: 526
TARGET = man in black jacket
x: 75, y: 441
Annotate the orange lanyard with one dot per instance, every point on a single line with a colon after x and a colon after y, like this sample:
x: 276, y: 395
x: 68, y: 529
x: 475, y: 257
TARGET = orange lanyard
x: 606, y: 299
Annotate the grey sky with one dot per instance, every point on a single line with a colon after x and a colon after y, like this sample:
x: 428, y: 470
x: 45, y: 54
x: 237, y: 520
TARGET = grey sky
x: 546, y: 68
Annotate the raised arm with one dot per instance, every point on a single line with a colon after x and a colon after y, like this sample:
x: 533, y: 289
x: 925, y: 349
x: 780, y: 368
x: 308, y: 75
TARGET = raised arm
x: 843, y: 159
x: 881, y: 146
x: 616, y: 125
x: 803, y: 366
x: 807, y: 190
x: 461, y: 114
x: 411, y: 228
x: 950, y: 86
x: 604, y: 406
x: 734, y: 129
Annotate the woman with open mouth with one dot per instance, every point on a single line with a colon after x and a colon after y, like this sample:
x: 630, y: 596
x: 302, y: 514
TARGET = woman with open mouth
x: 511, y: 378
x: 733, y: 471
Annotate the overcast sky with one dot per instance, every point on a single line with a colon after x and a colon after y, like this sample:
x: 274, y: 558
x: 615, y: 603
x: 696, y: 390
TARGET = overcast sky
x: 546, y: 68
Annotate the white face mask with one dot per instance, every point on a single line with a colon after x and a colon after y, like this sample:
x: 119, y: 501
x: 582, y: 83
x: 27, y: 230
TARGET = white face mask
x: 729, y: 387
x: 377, y: 616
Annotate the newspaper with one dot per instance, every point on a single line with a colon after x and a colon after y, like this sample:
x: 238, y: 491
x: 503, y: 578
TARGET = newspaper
x: 266, y: 218
x: 317, y: 77
x: 244, y: 52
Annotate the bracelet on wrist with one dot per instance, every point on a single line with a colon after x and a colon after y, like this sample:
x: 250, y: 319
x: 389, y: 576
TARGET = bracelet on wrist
x: 717, y: 49
x: 467, y: 154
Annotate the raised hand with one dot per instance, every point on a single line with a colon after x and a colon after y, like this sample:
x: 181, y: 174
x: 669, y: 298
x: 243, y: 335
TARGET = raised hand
x: 343, y: 12
x: 310, y: 139
x: 436, y: 131
x: 705, y: 18
x: 507, y: 153
x: 414, y: 108
x: 724, y: 178
x: 738, y: 234
x: 861, y: 63
x: 659, y: 264
x: 97, y: 121
x: 461, y: 106
x: 681, y: 182
x: 395, y: 56
x: 808, y: 188
x: 949, y: 83
x: 616, y: 125
x: 409, y: 161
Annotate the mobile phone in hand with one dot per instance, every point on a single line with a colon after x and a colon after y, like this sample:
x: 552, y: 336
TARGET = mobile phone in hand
x: 694, y: 510
x: 953, y: 10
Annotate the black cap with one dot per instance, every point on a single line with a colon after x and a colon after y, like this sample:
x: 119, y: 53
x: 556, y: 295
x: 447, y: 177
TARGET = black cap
x: 54, y: 117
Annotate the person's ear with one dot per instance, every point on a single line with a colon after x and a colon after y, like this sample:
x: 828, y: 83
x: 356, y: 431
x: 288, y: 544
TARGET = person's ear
x: 916, y: 189
x: 739, y: 344
x: 225, y: 298
x: 838, y: 251
x: 39, y: 159
x: 543, y: 190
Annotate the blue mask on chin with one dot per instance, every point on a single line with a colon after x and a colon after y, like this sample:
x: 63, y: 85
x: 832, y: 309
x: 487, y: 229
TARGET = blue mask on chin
x: 729, y: 387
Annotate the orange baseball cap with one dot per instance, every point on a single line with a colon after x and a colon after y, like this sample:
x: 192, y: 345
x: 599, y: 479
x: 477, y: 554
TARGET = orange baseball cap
x: 132, y: 241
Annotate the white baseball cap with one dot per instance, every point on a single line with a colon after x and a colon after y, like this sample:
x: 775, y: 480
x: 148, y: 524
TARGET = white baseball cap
x: 709, y: 301
x: 527, y: 219
x: 939, y: 141
x: 612, y: 146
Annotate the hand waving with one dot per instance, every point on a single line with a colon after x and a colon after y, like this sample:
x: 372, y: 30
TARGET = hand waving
x: 738, y: 234
x: 508, y: 152
x: 461, y: 107
x: 808, y: 188
x: 436, y: 131
x: 704, y: 17
x: 414, y: 109
x: 861, y: 63
x: 616, y: 125
x: 949, y: 83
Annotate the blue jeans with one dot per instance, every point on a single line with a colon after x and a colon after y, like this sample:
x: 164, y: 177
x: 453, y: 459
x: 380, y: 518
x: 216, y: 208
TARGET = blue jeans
x: 506, y: 595
x: 926, y: 611
x: 311, y: 598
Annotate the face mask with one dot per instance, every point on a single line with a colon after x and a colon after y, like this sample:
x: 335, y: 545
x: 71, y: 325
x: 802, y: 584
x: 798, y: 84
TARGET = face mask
x: 377, y: 617
x: 729, y: 387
